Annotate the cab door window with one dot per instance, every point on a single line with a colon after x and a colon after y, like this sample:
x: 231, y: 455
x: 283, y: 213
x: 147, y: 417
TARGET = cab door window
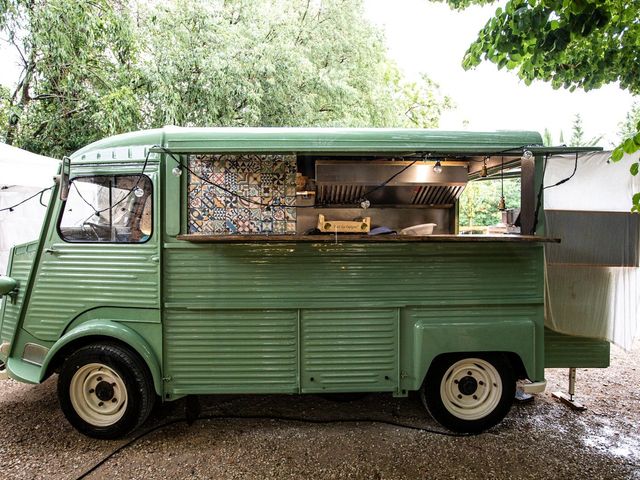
x: 114, y: 209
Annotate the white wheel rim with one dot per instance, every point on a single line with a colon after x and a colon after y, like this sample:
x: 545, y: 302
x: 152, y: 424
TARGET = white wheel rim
x: 471, y: 389
x: 98, y: 395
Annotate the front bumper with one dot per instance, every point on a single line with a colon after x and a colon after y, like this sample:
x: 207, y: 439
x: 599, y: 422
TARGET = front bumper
x: 534, y: 387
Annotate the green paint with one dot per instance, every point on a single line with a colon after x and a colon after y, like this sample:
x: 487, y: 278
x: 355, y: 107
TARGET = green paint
x: 269, y: 317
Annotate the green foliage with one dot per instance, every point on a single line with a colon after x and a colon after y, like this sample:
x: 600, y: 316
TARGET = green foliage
x: 77, y: 81
x: 585, y: 44
x: 275, y: 63
x: 578, y: 138
x: 629, y: 126
x: 5, y: 106
x: 89, y: 70
x: 421, y: 102
x: 479, y: 201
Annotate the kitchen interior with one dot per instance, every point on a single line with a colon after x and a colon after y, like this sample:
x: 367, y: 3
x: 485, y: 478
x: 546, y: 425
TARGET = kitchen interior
x: 415, y: 195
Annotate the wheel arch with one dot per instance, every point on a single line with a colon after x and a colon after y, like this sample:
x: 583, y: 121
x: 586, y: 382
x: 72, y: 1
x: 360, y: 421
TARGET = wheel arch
x: 102, y: 331
x: 512, y: 358
x: 517, y: 340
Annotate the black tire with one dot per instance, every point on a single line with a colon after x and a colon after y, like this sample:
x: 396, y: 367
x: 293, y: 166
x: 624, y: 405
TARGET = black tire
x: 122, y: 367
x: 457, y: 394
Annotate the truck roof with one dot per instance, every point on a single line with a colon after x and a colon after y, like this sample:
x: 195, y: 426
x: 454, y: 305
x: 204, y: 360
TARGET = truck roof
x: 306, y: 140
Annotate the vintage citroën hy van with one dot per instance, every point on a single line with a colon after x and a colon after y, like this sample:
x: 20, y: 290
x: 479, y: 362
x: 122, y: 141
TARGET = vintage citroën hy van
x: 187, y: 261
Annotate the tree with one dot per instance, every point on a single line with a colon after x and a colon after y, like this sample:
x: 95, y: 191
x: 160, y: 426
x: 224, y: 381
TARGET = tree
x: 276, y: 63
x: 78, y: 80
x: 571, y: 44
x: 5, y: 106
x: 585, y: 44
x: 629, y: 126
x: 578, y: 138
x: 479, y: 201
x: 93, y: 69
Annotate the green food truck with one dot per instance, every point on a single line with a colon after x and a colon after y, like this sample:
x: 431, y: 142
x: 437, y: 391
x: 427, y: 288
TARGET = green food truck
x: 188, y: 261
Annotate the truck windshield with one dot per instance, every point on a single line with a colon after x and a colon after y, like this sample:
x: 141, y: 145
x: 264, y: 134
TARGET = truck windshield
x: 115, y: 209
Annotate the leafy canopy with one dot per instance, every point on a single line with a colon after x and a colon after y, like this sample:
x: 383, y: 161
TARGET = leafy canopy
x: 93, y: 69
x: 276, y: 63
x: 585, y: 43
x: 77, y: 81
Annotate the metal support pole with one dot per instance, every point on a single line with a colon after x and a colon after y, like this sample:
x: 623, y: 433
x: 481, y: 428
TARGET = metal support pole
x: 527, y: 196
x: 572, y: 382
x: 568, y: 399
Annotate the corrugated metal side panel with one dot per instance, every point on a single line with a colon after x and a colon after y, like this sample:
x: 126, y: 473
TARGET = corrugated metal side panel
x: 235, y: 351
x: 564, y: 351
x: 78, y: 277
x: 19, y: 269
x: 349, y: 349
x: 338, y: 289
x: 308, y: 275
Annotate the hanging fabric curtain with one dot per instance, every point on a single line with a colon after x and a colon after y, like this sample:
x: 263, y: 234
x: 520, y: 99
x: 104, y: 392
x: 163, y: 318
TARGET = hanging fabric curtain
x: 593, y: 283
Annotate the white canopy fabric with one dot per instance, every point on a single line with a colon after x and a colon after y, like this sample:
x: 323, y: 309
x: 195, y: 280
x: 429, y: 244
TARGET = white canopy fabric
x: 21, y: 168
x: 593, y: 275
x: 22, y: 174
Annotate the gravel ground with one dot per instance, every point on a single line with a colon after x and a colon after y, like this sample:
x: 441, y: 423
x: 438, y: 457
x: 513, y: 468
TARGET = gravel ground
x: 543, y: 439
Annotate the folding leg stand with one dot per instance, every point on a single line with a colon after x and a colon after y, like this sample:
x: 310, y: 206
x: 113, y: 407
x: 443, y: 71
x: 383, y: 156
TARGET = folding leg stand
x: 568, y: 399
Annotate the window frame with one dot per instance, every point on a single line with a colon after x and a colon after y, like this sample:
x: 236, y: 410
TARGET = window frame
x: 112, y: 176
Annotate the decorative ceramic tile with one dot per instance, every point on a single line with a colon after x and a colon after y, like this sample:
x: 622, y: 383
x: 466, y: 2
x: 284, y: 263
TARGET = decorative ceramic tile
x: 279, y: 227
x: 260, y: 196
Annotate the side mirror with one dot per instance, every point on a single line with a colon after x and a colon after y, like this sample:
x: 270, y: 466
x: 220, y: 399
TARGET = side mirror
x: 7, y: 285
x: 64, y: 178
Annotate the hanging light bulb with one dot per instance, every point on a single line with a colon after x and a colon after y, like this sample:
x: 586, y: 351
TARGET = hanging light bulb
x: 177, y: 171
x: 502, y: 205
x: 437, y: 168
x: 483, y: 172
x: 527, y: 155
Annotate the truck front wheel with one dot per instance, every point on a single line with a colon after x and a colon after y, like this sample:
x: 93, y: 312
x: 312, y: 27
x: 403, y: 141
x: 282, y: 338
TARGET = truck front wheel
x: 469, y: 394
x: 105, y: 390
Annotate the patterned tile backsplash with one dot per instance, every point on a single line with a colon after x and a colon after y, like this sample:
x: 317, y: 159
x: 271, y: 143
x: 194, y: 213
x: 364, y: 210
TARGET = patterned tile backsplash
x: 265, y: 187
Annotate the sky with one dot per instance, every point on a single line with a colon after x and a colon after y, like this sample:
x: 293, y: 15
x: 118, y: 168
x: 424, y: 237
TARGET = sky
x: 429, y: 37
x: 425, y: 37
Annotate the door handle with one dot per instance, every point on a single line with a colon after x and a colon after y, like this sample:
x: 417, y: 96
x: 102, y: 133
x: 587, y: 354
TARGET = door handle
x: 155, y: 259
x: 51, y: 251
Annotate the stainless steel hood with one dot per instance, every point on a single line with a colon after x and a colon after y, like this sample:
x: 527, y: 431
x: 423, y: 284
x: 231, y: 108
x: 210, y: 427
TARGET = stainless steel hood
x: 348, y: 182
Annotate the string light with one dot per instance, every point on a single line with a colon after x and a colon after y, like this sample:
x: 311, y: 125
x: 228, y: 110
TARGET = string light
x: 437, y: 168
x: 502, y: 204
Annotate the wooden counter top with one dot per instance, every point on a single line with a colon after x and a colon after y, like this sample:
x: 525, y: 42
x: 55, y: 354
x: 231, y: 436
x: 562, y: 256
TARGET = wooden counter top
x: 344, y: 238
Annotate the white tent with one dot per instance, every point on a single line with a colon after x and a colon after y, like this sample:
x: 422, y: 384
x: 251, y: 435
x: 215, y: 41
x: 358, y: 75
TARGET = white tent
x: 22, y: 174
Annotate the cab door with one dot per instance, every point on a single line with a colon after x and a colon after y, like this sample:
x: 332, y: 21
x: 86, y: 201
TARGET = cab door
x: 101, y: 250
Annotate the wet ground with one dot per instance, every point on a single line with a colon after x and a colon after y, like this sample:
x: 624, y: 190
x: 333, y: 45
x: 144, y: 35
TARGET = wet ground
x: 543, y: 439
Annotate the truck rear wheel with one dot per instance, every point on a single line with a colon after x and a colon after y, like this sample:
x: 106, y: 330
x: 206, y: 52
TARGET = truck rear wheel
x: 105, y: 390
x: 469, y: 394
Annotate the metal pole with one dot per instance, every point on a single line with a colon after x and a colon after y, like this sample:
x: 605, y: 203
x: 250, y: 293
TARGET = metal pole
x: 572, y: 382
